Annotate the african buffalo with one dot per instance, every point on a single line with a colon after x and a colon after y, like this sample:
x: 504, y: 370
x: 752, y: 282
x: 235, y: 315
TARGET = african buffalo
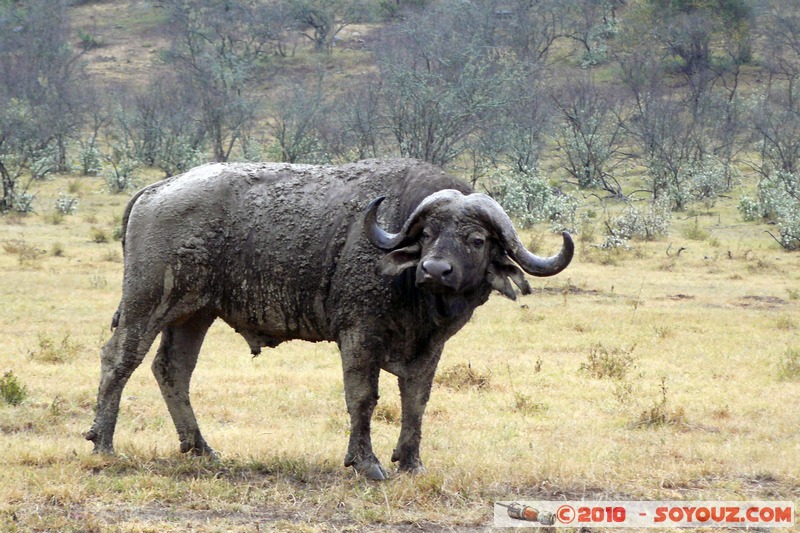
x: 282, y: 252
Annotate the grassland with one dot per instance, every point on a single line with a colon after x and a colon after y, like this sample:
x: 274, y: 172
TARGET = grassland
x: 644, y: 374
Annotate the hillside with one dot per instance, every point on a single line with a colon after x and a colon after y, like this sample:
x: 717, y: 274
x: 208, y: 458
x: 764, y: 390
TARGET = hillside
x: 128, y: 38
x: 513, y: 98
x: 124, y: 39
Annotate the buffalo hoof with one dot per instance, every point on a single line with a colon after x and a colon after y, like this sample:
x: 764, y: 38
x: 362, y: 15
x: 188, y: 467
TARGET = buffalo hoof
x: 102, y: 450
x: 204, y: 450
x: 210, y: 454
x: 100, y: 447
x: 371, y: 470
x: 412, y: 470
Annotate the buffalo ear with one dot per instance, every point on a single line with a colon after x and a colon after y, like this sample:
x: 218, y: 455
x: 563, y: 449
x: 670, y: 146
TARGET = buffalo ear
x: 397, y: 261
x: 500, y: 283
x: 499, y: 273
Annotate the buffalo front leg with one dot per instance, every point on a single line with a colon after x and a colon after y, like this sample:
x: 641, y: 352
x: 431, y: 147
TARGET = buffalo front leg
x: 173, y: 366
x: 414, y: 394
x: 121, y: 355
x: 361, y: 376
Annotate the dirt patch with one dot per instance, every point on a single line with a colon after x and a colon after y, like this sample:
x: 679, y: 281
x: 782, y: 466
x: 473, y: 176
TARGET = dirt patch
x: 571, y: 289
x: 679, y: 297
x: 760, y: 302
x: 266, y: 516
x: 765, y: 486
x: 11, y: 428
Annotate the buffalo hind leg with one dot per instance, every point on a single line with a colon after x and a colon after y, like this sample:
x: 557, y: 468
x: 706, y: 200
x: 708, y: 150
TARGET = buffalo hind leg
x: 173, y: 366
x: 361, y: 376
x: 414, y: 394
x: 121, y: 355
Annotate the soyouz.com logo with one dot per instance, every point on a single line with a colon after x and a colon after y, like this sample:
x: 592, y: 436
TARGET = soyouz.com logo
x: 643, y: 514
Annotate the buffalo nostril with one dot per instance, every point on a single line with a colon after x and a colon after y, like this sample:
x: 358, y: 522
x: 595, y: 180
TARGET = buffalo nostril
x: 437, y: 268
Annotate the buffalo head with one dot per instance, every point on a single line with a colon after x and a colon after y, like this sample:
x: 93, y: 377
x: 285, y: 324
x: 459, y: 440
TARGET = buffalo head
x: 457, y: 243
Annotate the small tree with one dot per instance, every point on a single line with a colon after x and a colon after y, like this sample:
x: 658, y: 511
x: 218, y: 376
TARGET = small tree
x: 320, y: 21
x: 352, y: 128
x: 775, y: 120
x: 295, y: 121
x: 775, y: 117
x: 591, y: 24
x: 520, y: 128
x: 21, y: 144
x: 690, y: 29
x: 530, y: 27
x: 442, y: 88
x: 90, y: 159
x: 783, y: 45
x: 218, y: 52
x: 591, y: 135
x: 39, y: 108
x: 166, y: 125
x: 121, y: 173
x: 671, y: 136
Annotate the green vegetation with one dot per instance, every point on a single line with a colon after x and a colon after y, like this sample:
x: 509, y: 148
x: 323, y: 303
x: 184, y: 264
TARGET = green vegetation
x: 605, y: 363
x: 54, y: 350
x: 11, y: 390
x: 546, y: 105
x: 463, y: 376
x: 789, y: 365
x: 719, y: 324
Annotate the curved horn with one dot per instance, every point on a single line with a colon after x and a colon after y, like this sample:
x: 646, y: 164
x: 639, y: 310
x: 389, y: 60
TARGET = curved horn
x: 493, y: 213
x: 384, y: 240
x: 376, y: 234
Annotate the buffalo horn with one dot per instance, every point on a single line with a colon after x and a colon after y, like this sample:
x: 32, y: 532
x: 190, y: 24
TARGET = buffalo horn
x: 376, y: 234
x: 534, y: 265
x: 389, y: 241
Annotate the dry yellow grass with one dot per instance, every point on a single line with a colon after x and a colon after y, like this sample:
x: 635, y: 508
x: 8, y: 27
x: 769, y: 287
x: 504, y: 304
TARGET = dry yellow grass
x: 714, y: 323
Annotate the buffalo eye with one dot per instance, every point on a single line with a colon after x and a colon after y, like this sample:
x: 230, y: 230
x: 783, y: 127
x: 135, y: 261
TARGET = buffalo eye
x: 477, y: 242
x: 426, y: 235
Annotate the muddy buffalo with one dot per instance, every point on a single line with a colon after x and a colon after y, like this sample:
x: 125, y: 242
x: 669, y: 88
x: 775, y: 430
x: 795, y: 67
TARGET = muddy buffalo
x: 388, y: 258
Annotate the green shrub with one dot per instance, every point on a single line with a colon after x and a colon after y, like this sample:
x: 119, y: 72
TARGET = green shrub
x: 659, y: 413
x: 99, y: 236
x: 789, y: 365
x: 11, y: 390
x: 778, y: 201
x: 695, y: 232
x: 91, y: 161
x: 88, y: 41
x: 52, y: 350
x: 605, y: 363
x: 526, y: 405
x: 117, y: 232
x: 463, y: 376
x: 26, y: 253
x: 529, y: 198
x: 705, y: 180
x: 22, y: 202
x: 750, y: 209
x: 121, y: 176
x: 635, y: 223
x: 66, y: 204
